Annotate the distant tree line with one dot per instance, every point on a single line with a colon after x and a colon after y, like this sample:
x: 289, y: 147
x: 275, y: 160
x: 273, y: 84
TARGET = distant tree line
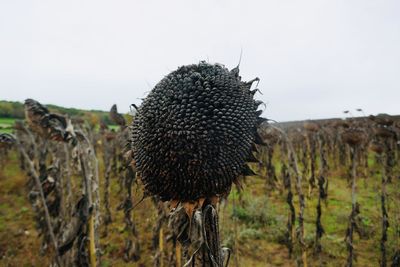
x: 12, y: 109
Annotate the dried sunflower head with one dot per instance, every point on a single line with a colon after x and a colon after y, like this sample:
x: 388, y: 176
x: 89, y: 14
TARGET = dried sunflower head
x: 48, y: 125
x: 6, y: 140
x: 193, y: 133
x: 116, y: 117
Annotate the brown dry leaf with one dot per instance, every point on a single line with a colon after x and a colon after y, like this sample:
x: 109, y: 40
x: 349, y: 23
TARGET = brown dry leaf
x: 201, y: 202
x: 173, y: 204
x: 137, y: 176
x: 133, y: 164
x: 189, y: 208
x: 238, y: 183
x: 214, y: 200
x: 128, y: 155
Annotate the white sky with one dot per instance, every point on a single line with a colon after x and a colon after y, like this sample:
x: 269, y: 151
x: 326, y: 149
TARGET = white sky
x: 314, y: 58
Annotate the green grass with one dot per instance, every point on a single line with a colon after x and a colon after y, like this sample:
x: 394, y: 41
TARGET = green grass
x: 113, y: 127
x: 7, y: 120
x: 6, y: 124
x: 260, y: 216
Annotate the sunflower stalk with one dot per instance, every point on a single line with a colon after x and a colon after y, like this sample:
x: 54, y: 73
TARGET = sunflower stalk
x: 352, y: 224
x: 300, y: 231
x: 199, y: 235
x: 88, y: 193
x: 34, y: 174
x: 385, y: 216
x: 319, y: 230
x: 292, y: 212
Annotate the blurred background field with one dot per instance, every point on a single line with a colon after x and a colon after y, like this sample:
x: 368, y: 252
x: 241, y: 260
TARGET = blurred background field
x: 253, y: 221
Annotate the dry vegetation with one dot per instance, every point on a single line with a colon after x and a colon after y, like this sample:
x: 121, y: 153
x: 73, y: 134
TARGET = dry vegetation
x: 323, y: 194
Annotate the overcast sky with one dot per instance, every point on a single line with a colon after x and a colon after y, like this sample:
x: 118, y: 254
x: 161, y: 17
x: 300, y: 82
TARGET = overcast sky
x: 314, y: 58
